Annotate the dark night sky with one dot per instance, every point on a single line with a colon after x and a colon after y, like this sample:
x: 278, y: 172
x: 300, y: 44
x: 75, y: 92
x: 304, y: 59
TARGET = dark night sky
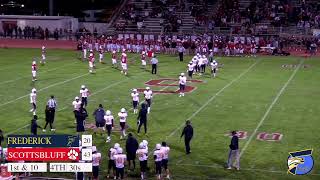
x: 63, y: 7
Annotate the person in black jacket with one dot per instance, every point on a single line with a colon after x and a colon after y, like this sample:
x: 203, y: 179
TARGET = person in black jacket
x: 81, y: 116
x: 34, y: 125
x: 99, y: 117
x: 234, y: 151
x: 188, y: 134
x: 131, y: 147
x: 49, y: 119
x: 142, y: 118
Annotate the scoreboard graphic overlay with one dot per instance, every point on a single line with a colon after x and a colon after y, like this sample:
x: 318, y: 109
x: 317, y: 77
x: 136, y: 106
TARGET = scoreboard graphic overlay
x: 47, y: 153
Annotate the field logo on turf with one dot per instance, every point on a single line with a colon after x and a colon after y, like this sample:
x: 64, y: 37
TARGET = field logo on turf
x: 300, y: 162
x: 163, y: 82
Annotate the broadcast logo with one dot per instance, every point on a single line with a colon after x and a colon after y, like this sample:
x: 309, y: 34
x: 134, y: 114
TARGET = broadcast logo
x: 300, y: 162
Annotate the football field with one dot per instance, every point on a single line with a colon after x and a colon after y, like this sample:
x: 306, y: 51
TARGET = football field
x: 272, y: 101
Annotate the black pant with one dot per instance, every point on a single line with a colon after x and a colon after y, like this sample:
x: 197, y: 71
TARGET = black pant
x: 50, y: 124
x: 52, y: 114
x: 181, y: 56
x: 144, y: 123
x: 187, y: 144
x: 154, y: 69
x: 120, y: 173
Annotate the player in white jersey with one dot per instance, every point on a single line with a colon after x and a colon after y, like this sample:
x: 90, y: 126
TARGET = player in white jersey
x: 111, y: 155
x: 182, y: 84
x: 148, y: 96
x: 204, y: 63
x: 76, y: 106
x: 33, y: 101
x: 142, y: 154
x: 165, y: 149
x: 96, y: 158
x: 120, y: 160
x: 34, y: 70
x: 190, y: 69
x: 123, y: 118
x: 200, y: 64
x: 43, y: 55
x: 114, y: 59
x: 135, y: 100
x: 214, y: 68
x: 84, y: 93
x: 108, y: 117
x: 158, y: 155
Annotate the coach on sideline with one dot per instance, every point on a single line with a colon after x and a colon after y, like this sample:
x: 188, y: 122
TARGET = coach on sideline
x: 234, y: 151
x: 154, y: 63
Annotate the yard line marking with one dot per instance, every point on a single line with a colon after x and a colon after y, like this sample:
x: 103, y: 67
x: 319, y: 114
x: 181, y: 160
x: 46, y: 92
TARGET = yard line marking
x: 212, y: 98
x: 99, y: 91
x: 17, y: 130
x: 42, y: 89
x: 111, y: 85
x: 13, y: 80
x: 245, y: 169
x: 269, y: 109
x: 52, y: 85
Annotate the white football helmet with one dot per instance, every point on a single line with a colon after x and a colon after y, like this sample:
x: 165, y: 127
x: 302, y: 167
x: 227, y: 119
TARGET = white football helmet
x: 119, y: 150
x: 182, y: 74
x: 147, y: 88
x: 145, y: 143
x: 141, y: 145
x: 123, y: 110
x: 34, y: 62
x: 134, y: 90
x: 113, y: 52
x: 108, y: 112
x: 116, y: 146
x: 83, y: 86
x: 158, y: 146
x: 34, y: 90
x: 76, y: 98
x: 94, y: 148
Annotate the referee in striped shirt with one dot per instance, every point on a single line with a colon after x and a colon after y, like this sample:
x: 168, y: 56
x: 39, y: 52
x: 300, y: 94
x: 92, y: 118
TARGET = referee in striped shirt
x: 50, y: 112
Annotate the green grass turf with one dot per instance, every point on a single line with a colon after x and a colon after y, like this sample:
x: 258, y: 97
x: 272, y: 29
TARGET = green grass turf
x: 228, y: 102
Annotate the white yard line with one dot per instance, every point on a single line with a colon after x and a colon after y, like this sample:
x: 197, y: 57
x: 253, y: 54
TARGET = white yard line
x: 269, y: 109
x: 242, y: 169
x: 52, y: 85
x: 211, y: 99
x: 40, y: 72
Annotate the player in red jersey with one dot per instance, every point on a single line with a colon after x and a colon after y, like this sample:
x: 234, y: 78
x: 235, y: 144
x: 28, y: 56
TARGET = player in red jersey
x: 34, y: 70
x: 124, y: 62
x: 114, y: 59
x: 143, y: 60
x: 101, y: 53
x: 91, y: 61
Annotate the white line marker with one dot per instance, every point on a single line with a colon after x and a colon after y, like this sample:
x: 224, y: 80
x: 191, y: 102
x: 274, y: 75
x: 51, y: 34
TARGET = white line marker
x: 212, y: 98
x: 13, y: 80
x: 269, y: 109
